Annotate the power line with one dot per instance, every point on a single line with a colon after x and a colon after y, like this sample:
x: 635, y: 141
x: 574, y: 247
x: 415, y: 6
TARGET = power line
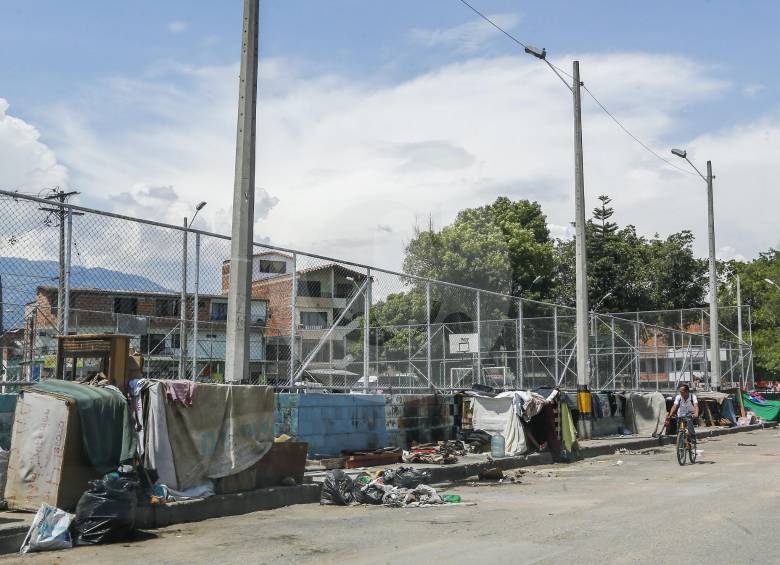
x: 558, y: 71
x: 635, y: 138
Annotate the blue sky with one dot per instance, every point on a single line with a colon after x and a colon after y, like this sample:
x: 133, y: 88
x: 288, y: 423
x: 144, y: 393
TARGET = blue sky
x: 365, y: 103
x: 58, y: 46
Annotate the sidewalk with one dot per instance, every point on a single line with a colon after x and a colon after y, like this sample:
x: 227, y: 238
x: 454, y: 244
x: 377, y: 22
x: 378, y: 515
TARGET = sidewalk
x: 470, y: 465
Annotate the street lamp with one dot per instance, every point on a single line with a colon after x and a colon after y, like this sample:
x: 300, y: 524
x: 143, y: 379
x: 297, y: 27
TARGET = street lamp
x: 773, y: 283
x: 583, y: 354
x: 714, y: 323
x: 198, y: 208
x: 530, y: 286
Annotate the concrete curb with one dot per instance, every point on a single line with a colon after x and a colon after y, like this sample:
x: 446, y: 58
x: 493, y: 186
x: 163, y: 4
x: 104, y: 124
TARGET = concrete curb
x: 11, y: 537
x: 150, y: 517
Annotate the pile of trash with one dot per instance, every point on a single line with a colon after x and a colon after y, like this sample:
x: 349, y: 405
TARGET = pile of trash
x: 398, y: 488
x: 105, y: 513
x: 437, y: 453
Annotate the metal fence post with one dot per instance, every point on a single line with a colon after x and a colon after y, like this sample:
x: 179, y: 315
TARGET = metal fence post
x: 612, y: 341
x: 183, y: 305
x: 66, y: 301
x: 555, y: 344
x: 519, y: 337
x: 428, y: 363
x: 293, y: 317
x: 479, y: 338
x: 636, y: 354
x: 367, y: 331
x: 196, y: 309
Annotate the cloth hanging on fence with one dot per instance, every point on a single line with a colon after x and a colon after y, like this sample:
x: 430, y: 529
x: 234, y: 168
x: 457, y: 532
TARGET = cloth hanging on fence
x: 499, y: 416
x: 181, y: 391
x: 158, y: 454
x: 227, y: 430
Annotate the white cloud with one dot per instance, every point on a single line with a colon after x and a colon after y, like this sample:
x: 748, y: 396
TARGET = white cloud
x: 26, y: 164
x: 178, y: 26
x: 468, y: 37
x: 342, y: 160
x: 751, y: 90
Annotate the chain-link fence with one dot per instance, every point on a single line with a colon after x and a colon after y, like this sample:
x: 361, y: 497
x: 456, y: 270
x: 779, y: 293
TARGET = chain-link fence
x: 316, y: 322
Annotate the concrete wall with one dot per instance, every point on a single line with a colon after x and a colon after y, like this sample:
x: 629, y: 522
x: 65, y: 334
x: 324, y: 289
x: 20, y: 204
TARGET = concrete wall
x: 419, y: 418
x: 332, y: 423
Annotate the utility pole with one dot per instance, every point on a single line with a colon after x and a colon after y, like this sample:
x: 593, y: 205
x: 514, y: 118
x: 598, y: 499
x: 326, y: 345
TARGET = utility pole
x: 583, y: 356
x: 237, y: 352
x: 714, y: 322
x: 739, y: 332
x: 61, y: 213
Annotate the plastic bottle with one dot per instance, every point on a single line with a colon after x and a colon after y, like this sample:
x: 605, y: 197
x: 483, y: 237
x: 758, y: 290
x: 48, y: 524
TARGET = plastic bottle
x: 498, y: 446
x: 451, y: 498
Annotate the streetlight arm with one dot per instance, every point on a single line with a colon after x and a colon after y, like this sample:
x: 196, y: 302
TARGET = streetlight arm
x: 697, y: 170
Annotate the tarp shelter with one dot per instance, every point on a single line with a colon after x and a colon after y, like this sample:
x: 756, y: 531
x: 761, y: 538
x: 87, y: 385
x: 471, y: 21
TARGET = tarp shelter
x: 645, y: 413
x: 769, y: 410
x: 225, y: 430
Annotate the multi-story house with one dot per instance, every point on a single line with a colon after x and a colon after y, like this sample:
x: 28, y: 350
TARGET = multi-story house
x: 154, y: 318
x: 323, y: 293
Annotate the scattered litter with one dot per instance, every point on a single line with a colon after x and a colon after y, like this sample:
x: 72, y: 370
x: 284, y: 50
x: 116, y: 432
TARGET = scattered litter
x: 338, y: 489
x: 491, y: 474
x: 618, y: 462
x: 624, y: 451
x: 406, y: 477
x: 747, y: 445
x: 439, y: 453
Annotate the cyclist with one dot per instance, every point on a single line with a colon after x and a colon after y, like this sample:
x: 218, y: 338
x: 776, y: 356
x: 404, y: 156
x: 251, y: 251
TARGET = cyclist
x: 685, y: 405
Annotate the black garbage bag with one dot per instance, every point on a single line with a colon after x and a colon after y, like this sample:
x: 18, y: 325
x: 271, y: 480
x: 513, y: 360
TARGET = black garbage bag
x: 406, y: 477
x: 369, y: 494
x: 106, y: 511
x: 338, y: 489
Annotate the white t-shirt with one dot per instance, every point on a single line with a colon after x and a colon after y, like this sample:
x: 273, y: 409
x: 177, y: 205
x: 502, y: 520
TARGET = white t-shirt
x: 685, y: 407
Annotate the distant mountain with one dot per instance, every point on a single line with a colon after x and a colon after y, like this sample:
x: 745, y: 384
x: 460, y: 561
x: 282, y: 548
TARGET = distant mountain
x: 21, y: 277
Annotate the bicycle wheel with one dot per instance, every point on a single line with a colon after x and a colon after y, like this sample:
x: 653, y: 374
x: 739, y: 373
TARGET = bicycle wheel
x: 681, y: 447
x: 692, y: 451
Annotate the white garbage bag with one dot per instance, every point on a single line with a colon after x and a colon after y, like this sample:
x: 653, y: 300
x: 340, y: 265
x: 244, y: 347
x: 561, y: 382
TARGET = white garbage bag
x: 50, y: 530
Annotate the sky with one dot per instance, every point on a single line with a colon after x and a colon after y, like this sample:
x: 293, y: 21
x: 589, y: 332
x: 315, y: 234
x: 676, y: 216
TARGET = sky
x: 375, y: 117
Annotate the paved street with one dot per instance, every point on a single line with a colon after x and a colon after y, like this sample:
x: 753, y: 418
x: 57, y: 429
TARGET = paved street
x: 627, y: 508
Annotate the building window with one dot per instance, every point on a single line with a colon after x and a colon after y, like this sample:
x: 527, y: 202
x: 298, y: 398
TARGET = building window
x: 314, y: 320
x: 345, y: 290
x: 310, y: 288
x: 153, y: 343
x: 339, y: 350
x: 53, y: 303
x: 175, y: 341
x: 166, y: 307
x: 218, y: 311
x: 125, y: 306
x: 276, y: 267
x: 308, y: 346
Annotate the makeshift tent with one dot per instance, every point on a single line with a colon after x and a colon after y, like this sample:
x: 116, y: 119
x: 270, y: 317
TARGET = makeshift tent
x: 106, y: 427
x: 645, y: 413
x: 497, y: 416
x: 769, y: 410
x: 227, y: 429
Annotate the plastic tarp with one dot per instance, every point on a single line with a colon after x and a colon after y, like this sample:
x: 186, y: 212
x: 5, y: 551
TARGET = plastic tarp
x: 645, y: 413
x: 226, y: 430
x: 769, y: 411
x: 106, y: 427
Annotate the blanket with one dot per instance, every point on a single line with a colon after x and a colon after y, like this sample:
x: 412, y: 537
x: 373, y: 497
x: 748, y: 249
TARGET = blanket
x: 226, y: 430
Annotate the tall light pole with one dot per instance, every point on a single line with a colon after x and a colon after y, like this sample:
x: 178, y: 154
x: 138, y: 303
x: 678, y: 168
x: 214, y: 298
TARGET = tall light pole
x: 196, y: 298
x: 714, y: 323
x: 237, y: 350
x: 583, y: 353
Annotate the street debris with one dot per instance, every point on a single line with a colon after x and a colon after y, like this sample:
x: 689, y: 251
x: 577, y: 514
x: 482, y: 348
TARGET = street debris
x: 624, y: 451
x: 747, y: 445
x: 438, y: 453
x: 397, y: 488
x: 50, y: 530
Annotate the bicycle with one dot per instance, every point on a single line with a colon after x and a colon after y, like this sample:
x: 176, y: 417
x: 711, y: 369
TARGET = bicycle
x: 686, y: 445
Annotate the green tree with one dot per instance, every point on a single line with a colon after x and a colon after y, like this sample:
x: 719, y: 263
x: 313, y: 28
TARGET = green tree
x: 502, y: 247
x: 764, y: 300
x: 633, y: 272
